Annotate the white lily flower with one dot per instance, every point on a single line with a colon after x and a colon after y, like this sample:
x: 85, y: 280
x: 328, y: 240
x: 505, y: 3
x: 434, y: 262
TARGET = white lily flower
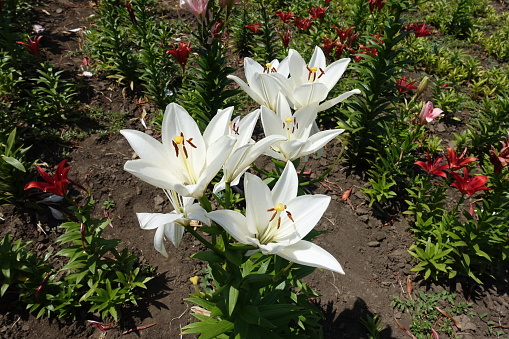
x: 277, y: 220
x: 296, y: 128
x: 311, y: 83
x: 185, y: 161
x: 246, y: 150
x: 170, y: 225
x: 261, y: 85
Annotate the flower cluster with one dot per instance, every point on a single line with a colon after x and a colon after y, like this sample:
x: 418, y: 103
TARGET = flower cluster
x: 465, y: 183
x: 185, y: 161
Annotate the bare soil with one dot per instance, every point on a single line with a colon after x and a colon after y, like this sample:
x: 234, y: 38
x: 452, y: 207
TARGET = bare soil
x: 371, y: 245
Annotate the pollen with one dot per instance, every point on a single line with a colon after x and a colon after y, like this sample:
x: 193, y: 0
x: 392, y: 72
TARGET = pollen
x: 268, y: 65
x: 178, y: 139
x: 288, y: 120
x: 313, y: 69
x: 279, y: 207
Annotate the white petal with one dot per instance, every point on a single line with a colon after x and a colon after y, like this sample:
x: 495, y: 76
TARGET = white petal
x: 309, y: 254
x: 266, y: 87
x: 298, y: 70
x: 291, y: 149
x: 251, y: 68
x: 258, y: 201
x: 249, y: 91
x: 174, y: 232
x: 145, y: 146
x: 310, y: 93
x: 150, y: 221
x: 320, y: 139
x: 305, y: 117
x: 246, y: 128
x: 306, y: 210
x: 287, y: 185
x: 333, y: 72
x: 177, y: 121
x: 318, y: 59
x: 159, y: 242
x: 283, y: 110
x: 329, y: 103
x: 232, y: 222
x: 218, y: 126
x: 271, y: 122
x: 156, y: 176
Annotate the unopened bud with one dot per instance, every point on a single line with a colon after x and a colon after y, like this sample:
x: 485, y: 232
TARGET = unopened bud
x: 423, y: 85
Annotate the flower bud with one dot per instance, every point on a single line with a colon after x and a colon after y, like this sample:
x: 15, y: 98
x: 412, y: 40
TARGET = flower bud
x: 423, y: 85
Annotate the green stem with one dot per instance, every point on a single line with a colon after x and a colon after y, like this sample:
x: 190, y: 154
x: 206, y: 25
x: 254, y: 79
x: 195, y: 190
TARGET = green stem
x: 284, y: 272
x: 204, y: 241
x: 205, y: 203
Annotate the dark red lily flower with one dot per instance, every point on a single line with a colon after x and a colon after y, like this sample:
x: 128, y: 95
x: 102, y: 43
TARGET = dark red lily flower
x: 255, y: 27
x: 345, y: 33
x: 285, y: 16
x: 33, y: 45
x: 56, y: 184
x: 302, y: 23
x: 378, y: 4
x: 404, y: 86
x: 181, y: 53
x: 286, y: 38
x: 469, y: 185
x: 500, y: 159
x: 419, y: 30
x: 455, y: 162
x: 130, y: 10
x: 371, y: 51
x: 318, y: 12
x: 339, y: 50
x: 433, y: 167
x: 328, y: 45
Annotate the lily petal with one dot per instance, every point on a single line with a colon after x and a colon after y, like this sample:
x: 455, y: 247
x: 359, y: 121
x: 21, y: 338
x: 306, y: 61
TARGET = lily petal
x: 232, y: 222
x: 309, y: 254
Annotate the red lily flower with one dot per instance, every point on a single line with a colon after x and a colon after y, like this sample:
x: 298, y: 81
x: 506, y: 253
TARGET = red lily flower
x: 318, y: 12
x: 455, y: 163
x: 328, y: 45
x: 500, y: 159
x: 403, y: 86
x: 286, y: 38
x: 302, y: 23
x: 56, y: 184
x: 339, y: 50
x: 371, y: 51
x: 470, y: 185
x: 255, y: 27
x: 419, y: 30
x: 433, y: 167
x: 345, y: 34
x: 181, y: 54
x: 285, y: 16
x: 33, y: 45
x: 378, y: 4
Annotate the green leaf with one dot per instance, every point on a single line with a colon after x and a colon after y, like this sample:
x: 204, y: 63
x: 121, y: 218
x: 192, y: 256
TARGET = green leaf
x: 15, y: 163
x: 209, y: 329
x: 233, y: 296
x: 209, y: 256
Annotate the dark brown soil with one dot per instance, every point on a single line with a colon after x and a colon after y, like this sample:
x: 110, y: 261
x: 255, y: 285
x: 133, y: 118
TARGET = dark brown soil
x: 372, y: 249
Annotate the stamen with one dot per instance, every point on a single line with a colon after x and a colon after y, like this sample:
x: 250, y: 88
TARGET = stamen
x: 176, y: 147
x: 278, y: 222
x: 288, y: 120
x: 279, y: 207
x: 289, y: 216
x: 322, y: 72
x: 185, y: 151
x: 190, y: 143
x: 273, y: 216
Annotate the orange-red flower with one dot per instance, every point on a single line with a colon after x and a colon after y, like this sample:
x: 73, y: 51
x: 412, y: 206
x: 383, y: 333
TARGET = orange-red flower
x: 56, y: 184
x: 285, y: 16
x: 433, y: 166
x: 181, y: 53
x: 404, y: 86
x: 469, y: 185
x: 32, y: 45
x: 455, y: 162
x: 500, y: 159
